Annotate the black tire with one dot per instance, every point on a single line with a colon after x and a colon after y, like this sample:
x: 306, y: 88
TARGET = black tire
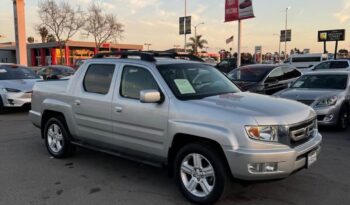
x: 67, y: 148
x: 2, y: 108
x: 343, y: 120
x: 217, y: 163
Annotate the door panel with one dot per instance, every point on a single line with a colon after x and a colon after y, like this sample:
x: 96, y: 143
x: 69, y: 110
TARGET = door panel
x: 93, y: 102
x: 139, y: 126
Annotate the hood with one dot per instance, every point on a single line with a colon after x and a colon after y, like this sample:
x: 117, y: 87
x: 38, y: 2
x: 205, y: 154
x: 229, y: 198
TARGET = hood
x: 307, y: 94
x: 245, y: 85
x: 266, y: 110
x: 25, y: 85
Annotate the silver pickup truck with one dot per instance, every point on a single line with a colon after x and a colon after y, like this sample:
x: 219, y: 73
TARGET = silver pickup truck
x: 179, y: 113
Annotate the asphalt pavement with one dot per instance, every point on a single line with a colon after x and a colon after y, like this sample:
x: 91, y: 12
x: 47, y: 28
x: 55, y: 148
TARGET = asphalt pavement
x: 28, y: 175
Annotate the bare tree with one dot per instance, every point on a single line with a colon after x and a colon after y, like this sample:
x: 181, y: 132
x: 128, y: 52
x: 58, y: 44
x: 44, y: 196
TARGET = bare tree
x: 50, y: 38
x: 61, y: 19
x: 102, y: 27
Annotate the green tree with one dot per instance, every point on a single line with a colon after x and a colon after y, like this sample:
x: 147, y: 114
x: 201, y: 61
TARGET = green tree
x: 197, y: 42
x: 30, y: 39
x: 50, y: 38
x: 43, y: 32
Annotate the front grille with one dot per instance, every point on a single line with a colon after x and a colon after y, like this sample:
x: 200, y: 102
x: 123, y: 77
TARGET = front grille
x: 306, y: 102
x: 303, y: 132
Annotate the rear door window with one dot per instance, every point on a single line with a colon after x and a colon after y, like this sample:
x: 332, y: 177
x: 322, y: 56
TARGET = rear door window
x: 323, y: 66
x: 98, y: 78
x: 290, y: 73
x: 339, y: 64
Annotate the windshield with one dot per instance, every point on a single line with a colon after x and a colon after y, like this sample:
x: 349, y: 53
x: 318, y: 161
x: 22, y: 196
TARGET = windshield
x: 334, y: 82
x: 16, y: 73
x: 248, y: 74
x: 196, y: 81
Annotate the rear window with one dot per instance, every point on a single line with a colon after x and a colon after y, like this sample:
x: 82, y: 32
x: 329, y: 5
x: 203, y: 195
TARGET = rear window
x: 16, y: 73
x: 250, y: 74
x: 98, y: 78
x: 306, y: 59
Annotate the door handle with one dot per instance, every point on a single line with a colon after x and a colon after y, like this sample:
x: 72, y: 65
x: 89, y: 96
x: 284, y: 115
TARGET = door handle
x: 77, y: 102
x: 118, y: 109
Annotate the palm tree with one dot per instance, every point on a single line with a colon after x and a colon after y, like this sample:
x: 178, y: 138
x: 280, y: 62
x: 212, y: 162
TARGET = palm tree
x: 197, y: 42
x: 43, y: 32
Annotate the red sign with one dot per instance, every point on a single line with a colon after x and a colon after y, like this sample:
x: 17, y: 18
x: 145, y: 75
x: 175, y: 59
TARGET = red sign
x: 238, y: 10
x: 106, y: 45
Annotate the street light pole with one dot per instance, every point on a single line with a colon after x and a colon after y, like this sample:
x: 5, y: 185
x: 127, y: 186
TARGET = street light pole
x: 148, y: 45
x: 195, y: 37
x: 185, y: 46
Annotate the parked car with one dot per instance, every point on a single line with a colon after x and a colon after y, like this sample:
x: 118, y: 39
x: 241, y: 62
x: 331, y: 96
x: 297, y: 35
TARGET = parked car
x: 55, y: 72
x: 16, y: 84
x: 327, y: 92
x: 227, y: 65
x: 264, y: 79
x: 183, y: 114
x: 306, y: 61
x: 333, y: 65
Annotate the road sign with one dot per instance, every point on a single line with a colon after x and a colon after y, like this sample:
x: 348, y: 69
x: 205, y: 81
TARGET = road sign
x: 284, y: 38
x: 331, y: 35
x: 185, y: 25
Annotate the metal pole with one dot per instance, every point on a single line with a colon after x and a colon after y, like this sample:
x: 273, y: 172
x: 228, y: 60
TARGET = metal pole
x: 336, y: 50
x: 195, y: 37
x: 285, y: 36
x: 185, y: 25
x: 239, y: 43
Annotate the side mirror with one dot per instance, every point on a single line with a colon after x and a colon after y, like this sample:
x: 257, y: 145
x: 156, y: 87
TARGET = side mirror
x: 150, y: 96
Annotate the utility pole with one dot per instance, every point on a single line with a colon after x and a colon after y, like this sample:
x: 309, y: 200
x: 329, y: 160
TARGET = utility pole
x: 239, y: 43
x: 20, y: 32
x: 195, y: 37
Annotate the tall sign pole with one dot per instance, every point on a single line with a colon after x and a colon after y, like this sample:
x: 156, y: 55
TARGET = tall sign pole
x: 239, y: 43
x: 185, y: 46
x: 20, y: 32
x: 237, y: 10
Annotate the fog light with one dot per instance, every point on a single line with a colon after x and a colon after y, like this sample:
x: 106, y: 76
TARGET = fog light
x: 328, y: 118
x: 10, y: 101
x: 263, y: 167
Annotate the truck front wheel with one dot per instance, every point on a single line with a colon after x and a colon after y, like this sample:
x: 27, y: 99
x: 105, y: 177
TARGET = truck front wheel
x: 57, y: 139
x: 200, y: 173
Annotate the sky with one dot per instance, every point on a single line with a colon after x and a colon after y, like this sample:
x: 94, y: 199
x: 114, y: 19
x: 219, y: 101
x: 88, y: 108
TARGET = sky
x: 156, y: 22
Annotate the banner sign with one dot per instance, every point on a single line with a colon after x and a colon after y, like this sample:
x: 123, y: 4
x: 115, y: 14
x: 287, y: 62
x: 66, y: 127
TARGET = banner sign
x: 238, y: 10
x: 331, y: 35
x: 185, y: 25
x: 284, y: 38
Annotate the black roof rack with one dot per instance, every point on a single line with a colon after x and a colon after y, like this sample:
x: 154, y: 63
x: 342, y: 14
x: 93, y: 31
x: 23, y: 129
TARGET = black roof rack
x: 125, y: 54
x: 148, y: 55
x: 165, y: 54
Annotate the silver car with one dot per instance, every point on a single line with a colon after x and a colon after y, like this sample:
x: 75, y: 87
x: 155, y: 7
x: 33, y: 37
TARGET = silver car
x: 327, y: 92
x: 16, y: 86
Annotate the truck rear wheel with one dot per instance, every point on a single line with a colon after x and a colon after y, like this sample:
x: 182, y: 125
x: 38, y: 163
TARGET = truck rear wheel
x: 57, y: 138
x: 200, y: 173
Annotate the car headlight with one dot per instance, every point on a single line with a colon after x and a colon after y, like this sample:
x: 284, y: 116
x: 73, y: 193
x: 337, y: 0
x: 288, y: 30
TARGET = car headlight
x: 11, y: 90
x: 330, y: 101
x: 263, y: 133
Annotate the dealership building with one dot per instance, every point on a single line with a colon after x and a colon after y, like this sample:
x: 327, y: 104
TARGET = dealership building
x: 42, y: 54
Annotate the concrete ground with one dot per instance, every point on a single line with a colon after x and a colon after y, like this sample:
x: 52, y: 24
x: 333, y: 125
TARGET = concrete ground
x: 28, y: 175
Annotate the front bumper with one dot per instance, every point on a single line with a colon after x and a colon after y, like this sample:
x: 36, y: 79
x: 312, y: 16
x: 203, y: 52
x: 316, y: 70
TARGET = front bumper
x: 289, y: 160
x: 16, y: 99
x: 327, y: 116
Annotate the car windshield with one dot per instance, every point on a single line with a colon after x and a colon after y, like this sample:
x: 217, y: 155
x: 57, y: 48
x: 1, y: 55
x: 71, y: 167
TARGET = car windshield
x: 249, y: 74
x: 196, y: 81
x: 10, y: 72
x: 334, y: 82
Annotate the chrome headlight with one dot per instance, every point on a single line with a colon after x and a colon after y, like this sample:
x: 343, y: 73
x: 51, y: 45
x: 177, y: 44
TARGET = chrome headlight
x: 11, y: 90
x: 263, y: 133
x: 330, y: 101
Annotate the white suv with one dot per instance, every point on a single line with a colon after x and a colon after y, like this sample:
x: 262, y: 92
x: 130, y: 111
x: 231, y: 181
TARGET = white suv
x: 333, y: 65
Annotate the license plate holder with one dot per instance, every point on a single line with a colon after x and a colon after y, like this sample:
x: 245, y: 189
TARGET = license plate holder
x: 311, y: 158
